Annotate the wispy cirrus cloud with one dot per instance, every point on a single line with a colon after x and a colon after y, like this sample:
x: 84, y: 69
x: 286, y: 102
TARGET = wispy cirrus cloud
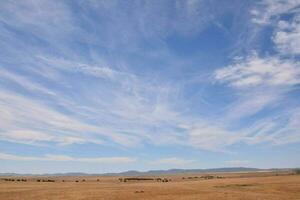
x: 64, y: 158
x: 24, y: 82
x: 25, y: 120
x: 268, y: 10
x: 37, y: 137
x: 286, y: 29
x: 76, y: 67
x: 264, y: 82
x: 286, y: 36
x: 255, y: 71
x: 278, y: 129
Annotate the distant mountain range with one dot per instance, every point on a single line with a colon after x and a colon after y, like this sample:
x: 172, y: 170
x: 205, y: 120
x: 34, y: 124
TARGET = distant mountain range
x: 152, y: 172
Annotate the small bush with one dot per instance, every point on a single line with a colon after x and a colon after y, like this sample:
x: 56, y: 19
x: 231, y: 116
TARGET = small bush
x: 165, y: 180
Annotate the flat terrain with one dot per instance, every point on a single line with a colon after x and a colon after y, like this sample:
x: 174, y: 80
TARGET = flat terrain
x: 242, y: 186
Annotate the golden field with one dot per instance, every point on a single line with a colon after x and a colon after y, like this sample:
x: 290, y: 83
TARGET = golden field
x: 233, y: 186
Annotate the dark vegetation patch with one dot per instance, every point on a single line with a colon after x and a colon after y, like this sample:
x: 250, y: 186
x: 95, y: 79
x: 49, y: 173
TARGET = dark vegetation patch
x: 139, y: 191
x: 11, y: 179
x: 202, y: 177
x: 144, y: 179
x: 235, y: 185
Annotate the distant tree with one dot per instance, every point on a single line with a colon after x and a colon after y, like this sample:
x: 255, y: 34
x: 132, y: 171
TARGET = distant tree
x: 297, y: 171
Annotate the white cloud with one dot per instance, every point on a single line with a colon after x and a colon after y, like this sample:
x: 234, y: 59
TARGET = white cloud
x: 212, y: 138
x: 286, y: 31
x: 279, y: 129
x: 256, y: 71
x: 19, y: 110
x: 77, y: 67
x: 35, y: 137
x: 136, y: 109
x: 263, y: 82
x: 287, y: 36
x: 131, y: 110
x: 26, y: 120
x: 39, y: 17
x: 63, y: 158
x: 250, y: 102
x: 269, y: 9
x: 24, y: 82
x: 26, y: 135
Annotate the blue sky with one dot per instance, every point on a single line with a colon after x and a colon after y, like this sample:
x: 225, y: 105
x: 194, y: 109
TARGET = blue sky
x: 107, y: 86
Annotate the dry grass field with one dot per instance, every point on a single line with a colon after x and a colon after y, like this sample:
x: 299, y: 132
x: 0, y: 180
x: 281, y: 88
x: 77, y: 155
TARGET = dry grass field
x: 233, y: 186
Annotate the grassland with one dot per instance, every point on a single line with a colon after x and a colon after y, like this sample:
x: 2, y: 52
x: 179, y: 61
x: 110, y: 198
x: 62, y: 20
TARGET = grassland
x: 233, y: 186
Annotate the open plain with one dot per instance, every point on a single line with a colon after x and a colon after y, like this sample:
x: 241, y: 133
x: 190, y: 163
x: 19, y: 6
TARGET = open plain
x: 233, y: 186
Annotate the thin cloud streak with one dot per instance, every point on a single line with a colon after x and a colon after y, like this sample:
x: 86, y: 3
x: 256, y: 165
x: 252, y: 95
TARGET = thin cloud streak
x: 64, y: 158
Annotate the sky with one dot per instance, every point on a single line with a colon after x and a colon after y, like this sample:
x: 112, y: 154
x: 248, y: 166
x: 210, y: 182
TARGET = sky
x: 108, y: 86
